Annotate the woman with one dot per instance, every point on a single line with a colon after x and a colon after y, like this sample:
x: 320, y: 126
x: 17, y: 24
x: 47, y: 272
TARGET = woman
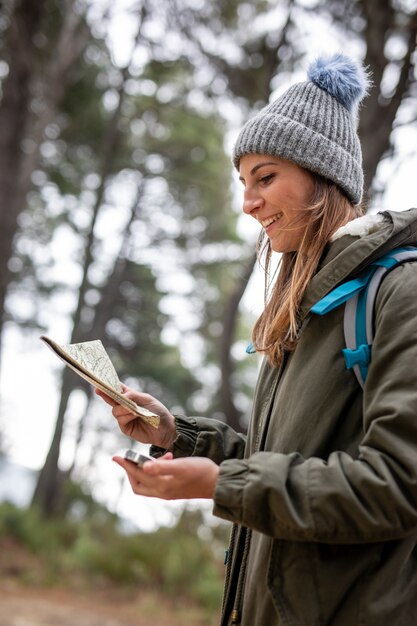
x: 323, y: 492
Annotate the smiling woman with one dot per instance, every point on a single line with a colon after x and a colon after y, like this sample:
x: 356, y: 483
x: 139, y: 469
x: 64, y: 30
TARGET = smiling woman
x: 299, y: 211
x: 323, y: 490
x: 277, y: 194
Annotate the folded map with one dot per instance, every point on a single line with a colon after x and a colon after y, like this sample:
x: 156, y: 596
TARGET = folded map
x: 90, y: 360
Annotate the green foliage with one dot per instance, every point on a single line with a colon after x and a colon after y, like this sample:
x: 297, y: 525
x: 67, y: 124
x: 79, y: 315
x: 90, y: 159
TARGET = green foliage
x: 26, y: 527
x: 88, y: 144
x: 196, y: 167
x: 93, y: 550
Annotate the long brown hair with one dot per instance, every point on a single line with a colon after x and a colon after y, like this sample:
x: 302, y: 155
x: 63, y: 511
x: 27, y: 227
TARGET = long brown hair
x: 277, y: 329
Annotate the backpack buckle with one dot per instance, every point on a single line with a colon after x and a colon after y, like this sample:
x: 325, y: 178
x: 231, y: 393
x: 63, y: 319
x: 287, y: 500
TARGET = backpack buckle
x: 360, y: 356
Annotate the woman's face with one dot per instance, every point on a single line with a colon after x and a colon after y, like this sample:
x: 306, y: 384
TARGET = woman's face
x: 276, y: 194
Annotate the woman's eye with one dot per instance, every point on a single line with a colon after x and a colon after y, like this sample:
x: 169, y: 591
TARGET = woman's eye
x: 266, y: 179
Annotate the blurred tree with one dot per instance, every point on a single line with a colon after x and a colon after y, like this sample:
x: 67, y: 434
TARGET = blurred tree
x: 182, y: 225
x: 387, y: 32
x: 49, y: 488
x: 44, y: 42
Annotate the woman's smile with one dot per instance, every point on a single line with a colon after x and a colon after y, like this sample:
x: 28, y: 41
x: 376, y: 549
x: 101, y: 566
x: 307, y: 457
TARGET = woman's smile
x: 268, y: 221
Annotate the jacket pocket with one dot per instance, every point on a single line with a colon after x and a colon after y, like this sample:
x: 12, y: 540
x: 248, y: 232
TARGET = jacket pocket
x: 292, y: 583
x: 344, y: 572
x: 318, y: 584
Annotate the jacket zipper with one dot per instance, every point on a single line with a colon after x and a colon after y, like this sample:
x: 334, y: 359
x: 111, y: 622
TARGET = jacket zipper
x: 259, y: 444
x: 236, y: 613
x: 229, y: 560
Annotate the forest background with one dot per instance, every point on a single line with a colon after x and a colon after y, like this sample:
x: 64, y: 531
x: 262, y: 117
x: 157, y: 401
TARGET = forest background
x: 120, y: 221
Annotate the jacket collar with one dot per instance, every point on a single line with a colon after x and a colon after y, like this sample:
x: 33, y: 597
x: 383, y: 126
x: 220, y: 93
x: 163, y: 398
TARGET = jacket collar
x: 348, y: 255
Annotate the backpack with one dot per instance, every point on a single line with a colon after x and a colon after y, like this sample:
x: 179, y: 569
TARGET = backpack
x: 359, y: 294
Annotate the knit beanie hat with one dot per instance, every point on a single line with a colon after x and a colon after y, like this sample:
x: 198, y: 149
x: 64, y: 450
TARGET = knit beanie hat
x: 314, y: 124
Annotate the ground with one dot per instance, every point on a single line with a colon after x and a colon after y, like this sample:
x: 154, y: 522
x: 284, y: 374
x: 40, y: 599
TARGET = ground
x: 30, y: 598
x: 52, y: 606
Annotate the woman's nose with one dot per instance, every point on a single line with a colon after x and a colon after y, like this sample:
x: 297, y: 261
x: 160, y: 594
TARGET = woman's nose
x: 251, y: 202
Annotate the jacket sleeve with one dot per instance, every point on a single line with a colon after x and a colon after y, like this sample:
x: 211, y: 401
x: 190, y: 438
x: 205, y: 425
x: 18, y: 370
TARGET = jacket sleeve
x: 201, y: 436
x: 342, y: 499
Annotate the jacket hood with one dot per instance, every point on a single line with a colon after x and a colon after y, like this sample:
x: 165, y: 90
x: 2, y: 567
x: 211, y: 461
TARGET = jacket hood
x: 348, y: 255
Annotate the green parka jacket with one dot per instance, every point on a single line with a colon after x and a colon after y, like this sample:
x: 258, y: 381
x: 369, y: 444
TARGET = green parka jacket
x: 323, y: 492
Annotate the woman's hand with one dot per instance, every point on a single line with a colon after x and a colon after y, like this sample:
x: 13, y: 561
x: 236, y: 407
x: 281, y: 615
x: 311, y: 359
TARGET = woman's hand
x: 172, y: 479
x: 136, y: 427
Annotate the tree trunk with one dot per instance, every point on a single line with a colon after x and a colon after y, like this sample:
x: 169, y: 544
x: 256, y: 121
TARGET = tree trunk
x: 14, y: 113
x: 230, y: 410
x: 47, y: 495
x: 378, y: 114
x: 103, y: 310
x: 48, y: 491
x: 17, y: 120
x: 81, y: 430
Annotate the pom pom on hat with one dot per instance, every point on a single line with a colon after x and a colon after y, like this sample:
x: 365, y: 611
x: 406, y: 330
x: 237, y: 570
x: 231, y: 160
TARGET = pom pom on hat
x: 342, y: 78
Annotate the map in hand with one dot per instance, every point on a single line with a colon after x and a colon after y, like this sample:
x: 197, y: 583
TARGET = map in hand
x: 90, y: 360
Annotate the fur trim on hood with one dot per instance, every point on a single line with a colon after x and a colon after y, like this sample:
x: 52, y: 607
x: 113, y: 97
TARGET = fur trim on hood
x: 359, y: 227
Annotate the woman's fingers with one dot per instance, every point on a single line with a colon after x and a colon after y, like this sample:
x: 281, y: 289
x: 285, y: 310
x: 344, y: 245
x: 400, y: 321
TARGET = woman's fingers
x: 140, y: 473
x: 129, y: 467
x: 172, y: 479
x: 142, y: 484
x: 139, y: 398
x: 164, y: 467
x: 105, y: 397
x: 121, y: 411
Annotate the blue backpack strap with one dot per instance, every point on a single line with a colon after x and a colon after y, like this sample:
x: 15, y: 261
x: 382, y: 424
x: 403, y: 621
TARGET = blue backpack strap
x: 342, y: 293
x: 250, y: 349
x: 360, y: 295
x: 357, y: 353
x: 359, y: 319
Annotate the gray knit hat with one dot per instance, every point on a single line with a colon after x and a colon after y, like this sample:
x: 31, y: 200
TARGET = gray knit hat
x: 314, y: 124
